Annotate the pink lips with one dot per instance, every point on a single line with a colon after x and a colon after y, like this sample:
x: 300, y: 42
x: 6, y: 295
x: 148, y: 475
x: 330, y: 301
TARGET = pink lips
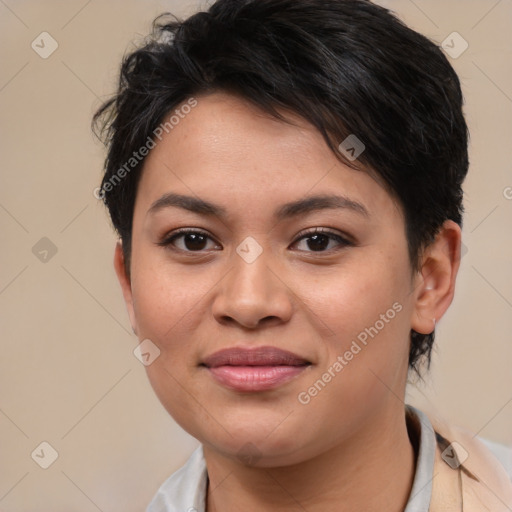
x: 256, y: 369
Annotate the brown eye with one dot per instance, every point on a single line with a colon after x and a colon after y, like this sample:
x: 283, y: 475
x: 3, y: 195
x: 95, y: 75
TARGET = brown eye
x: 189, y: 241
x: 318, y: 242
x: 194, y: 241
x: 321, y: 241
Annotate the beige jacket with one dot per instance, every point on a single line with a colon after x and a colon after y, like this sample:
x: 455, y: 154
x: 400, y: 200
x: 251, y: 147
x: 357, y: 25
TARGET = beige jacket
x: 467, y: 476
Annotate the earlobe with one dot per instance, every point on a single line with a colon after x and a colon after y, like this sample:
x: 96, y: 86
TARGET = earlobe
x: 125, y: 282
x: 435, y: 283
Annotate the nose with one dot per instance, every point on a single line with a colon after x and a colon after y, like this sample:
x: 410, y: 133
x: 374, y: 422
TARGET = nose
x: 251, y: 295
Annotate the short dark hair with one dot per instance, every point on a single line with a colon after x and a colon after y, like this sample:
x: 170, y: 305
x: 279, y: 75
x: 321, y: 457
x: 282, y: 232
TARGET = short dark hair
x: 345, y: 66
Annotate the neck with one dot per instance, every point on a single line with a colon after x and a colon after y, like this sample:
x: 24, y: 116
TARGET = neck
x: 371, y: 471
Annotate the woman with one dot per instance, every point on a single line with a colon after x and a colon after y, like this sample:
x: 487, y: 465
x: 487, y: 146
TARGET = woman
x: 285, y: 178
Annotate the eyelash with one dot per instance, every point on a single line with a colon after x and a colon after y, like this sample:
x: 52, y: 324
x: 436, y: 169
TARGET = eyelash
x: 343, y: 242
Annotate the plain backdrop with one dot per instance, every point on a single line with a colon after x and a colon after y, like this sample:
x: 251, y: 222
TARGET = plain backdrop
x: 68, y: 375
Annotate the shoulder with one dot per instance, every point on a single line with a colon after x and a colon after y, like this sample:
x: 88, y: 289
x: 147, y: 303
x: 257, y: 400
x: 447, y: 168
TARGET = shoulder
x: 488, y: 456
x: 485, y: 465
x: 184, y: 490
x: 502, y: 453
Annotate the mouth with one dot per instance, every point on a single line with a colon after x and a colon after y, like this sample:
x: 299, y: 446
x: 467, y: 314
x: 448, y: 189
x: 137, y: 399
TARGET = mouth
x: 255, y: 369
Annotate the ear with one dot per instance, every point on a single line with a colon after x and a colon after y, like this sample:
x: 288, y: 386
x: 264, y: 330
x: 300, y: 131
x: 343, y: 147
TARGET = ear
x: 124, y: 281
x: 434, y: 285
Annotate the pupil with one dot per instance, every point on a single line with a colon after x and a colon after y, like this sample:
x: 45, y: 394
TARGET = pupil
x: 194, y: 241
x: 318, y: 242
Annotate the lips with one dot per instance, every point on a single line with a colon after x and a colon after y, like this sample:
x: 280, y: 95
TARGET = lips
x: 255, y: 369
x: 260, y: 356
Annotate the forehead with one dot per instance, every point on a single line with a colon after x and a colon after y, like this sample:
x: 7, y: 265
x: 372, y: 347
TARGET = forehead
x: 229, y: 149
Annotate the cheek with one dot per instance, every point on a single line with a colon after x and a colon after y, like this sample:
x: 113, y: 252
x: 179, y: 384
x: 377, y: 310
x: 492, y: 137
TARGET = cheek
x: 163, y: 291
x: 363, y: 312
x: 347, y: 301
x: 166, y: 304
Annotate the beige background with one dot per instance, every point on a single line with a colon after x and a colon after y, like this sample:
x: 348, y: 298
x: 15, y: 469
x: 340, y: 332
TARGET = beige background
x: 67, y: 372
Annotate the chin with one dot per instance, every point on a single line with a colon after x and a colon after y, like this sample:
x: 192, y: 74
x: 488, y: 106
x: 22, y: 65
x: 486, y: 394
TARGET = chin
x: 256, y: 447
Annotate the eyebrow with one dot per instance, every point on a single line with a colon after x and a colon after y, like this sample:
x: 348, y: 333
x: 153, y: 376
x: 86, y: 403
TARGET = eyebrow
x: 286, y: 211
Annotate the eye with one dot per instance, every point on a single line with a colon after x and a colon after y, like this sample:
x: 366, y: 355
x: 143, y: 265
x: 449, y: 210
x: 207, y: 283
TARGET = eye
x: 189, y: 240
x: 321, y: 240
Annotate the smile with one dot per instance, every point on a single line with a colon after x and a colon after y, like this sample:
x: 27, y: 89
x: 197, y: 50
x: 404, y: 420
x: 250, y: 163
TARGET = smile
x: 255, y: 369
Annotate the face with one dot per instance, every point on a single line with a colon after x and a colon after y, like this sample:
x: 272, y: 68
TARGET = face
x: 274, y: 280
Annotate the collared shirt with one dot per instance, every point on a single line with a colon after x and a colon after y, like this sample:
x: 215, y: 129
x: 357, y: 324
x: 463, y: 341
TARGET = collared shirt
x: 185, y: 490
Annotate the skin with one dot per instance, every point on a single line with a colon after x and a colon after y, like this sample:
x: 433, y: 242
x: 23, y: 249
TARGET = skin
x: 348, y: 448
